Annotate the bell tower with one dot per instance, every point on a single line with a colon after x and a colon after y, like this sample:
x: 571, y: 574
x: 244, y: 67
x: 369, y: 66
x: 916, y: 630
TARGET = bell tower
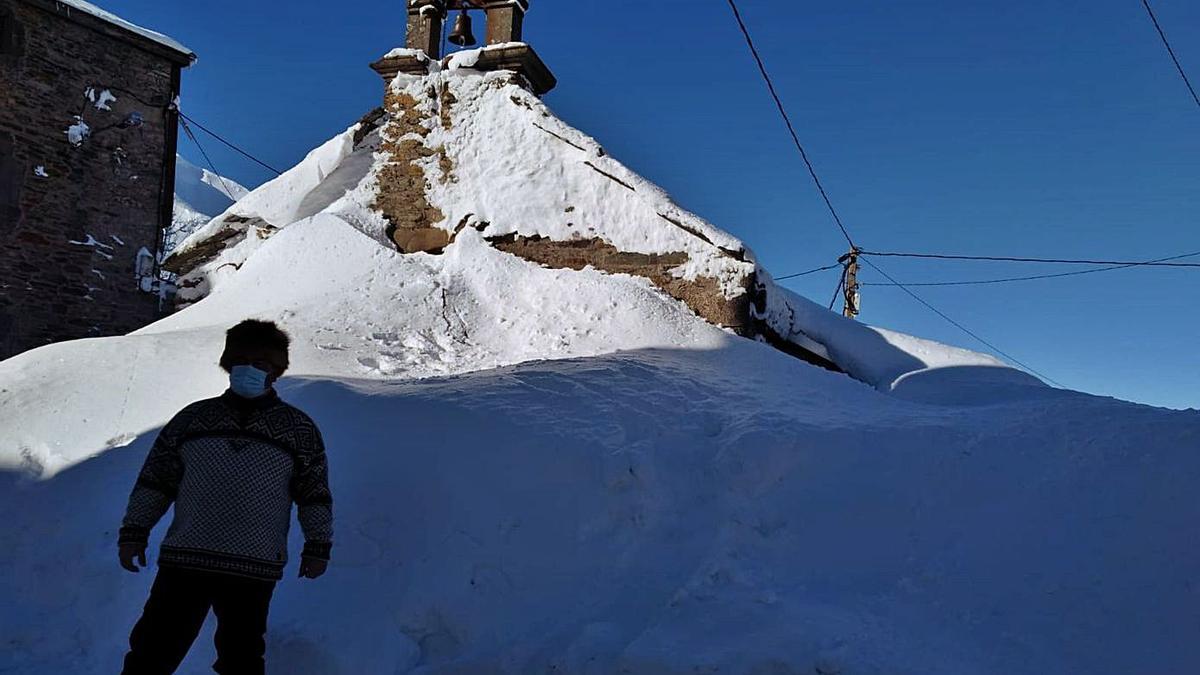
x: 504, y: 48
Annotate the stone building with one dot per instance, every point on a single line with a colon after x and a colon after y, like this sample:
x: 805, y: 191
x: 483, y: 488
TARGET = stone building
x: 88, y: 131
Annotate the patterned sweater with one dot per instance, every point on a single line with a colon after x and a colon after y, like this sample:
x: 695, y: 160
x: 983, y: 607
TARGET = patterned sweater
x: 233, y: 467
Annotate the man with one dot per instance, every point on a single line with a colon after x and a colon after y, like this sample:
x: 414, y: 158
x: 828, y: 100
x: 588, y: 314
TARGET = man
x: 232, y: 465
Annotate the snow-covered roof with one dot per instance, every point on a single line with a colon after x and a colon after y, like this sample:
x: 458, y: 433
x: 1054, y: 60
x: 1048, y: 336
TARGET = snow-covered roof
x: 113, y: 19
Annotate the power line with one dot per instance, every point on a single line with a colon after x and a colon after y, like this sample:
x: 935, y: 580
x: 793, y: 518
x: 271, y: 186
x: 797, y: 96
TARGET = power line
x: 1111, y: 265
x: 804, y: 274
x: 961, y: 327
x: 188, y: 130
x: 1167, y: 44
x: 231, y: 145
x: 1057, y: 261
x: 1040, y: 276
x: 833, y: 212
x: 788, y: 121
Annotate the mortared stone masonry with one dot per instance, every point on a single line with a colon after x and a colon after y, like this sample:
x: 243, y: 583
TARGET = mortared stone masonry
x: 87, y: 164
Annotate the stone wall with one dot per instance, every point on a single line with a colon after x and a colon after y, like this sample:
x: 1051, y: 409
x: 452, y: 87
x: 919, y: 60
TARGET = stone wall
x: 74, y: 216
x: 402, y: 182
x: 702, y: 294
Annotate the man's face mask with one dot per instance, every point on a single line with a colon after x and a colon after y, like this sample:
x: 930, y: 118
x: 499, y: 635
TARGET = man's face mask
x: 248, y: 381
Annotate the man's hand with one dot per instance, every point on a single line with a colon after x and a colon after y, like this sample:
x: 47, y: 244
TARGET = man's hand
x: 311, y: 568
x: 128, y: 552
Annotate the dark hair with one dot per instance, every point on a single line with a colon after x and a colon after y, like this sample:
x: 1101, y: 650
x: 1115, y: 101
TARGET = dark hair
x: 253, y: 335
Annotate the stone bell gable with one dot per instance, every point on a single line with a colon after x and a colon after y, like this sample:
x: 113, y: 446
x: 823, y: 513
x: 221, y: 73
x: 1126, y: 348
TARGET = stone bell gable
x: 503, y: 46
x: 87, y: 161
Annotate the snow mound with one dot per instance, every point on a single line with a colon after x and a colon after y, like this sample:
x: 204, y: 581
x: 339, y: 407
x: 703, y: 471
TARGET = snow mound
x: 356, y: 309
x: 660, y: 510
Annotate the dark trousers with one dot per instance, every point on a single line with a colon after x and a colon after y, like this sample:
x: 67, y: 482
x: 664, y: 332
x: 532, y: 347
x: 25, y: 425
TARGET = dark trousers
x: 179, y: 603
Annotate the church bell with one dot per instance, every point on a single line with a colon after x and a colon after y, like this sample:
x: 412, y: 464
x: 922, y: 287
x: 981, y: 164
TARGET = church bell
x: 462, y: 35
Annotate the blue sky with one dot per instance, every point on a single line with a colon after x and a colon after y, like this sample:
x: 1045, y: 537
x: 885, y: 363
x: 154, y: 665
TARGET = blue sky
x: 1020, y: 128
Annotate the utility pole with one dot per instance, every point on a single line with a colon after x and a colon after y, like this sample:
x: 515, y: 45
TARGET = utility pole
x: 850, y: 294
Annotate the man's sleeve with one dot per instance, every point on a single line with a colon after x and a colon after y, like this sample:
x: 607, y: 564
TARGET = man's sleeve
x: 310, y: 490
x: 157, y: 484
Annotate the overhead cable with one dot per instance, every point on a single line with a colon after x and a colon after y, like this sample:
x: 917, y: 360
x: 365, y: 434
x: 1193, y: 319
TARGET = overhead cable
x: 221, y: 177
x: 242, y: 152
x: 1167, y: 44
x: 804, y: 274
x: 1057, y: 261
x: 1039, y: 276
x: 762, y: 68
x: 960, y: 326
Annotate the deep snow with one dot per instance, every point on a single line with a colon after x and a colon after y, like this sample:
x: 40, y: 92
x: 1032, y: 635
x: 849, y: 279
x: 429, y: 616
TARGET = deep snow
x: 661, y: 510
x: 540, y: 470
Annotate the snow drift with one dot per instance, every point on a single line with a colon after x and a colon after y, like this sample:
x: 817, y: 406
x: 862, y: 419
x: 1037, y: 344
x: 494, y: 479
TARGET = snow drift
x: 200, y: 195
x: 540, y: 469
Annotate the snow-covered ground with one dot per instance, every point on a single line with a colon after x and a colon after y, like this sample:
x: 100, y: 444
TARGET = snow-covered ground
x: 660, y: 510
x: 547, y: 470
x: 200, y: 195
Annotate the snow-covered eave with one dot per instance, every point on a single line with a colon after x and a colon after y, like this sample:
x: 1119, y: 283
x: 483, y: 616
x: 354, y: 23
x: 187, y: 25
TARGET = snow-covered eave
x: 91, y: 16
x: 221, y: 232
x: 882, y: 358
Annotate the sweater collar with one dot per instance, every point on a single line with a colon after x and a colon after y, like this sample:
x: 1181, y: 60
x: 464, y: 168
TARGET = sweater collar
x: 243, y: 404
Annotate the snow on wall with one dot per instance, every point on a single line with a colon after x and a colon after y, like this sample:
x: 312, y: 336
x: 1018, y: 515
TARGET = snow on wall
x: 78, y: 132
x: 468, y: 58
x: 503, y: 141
